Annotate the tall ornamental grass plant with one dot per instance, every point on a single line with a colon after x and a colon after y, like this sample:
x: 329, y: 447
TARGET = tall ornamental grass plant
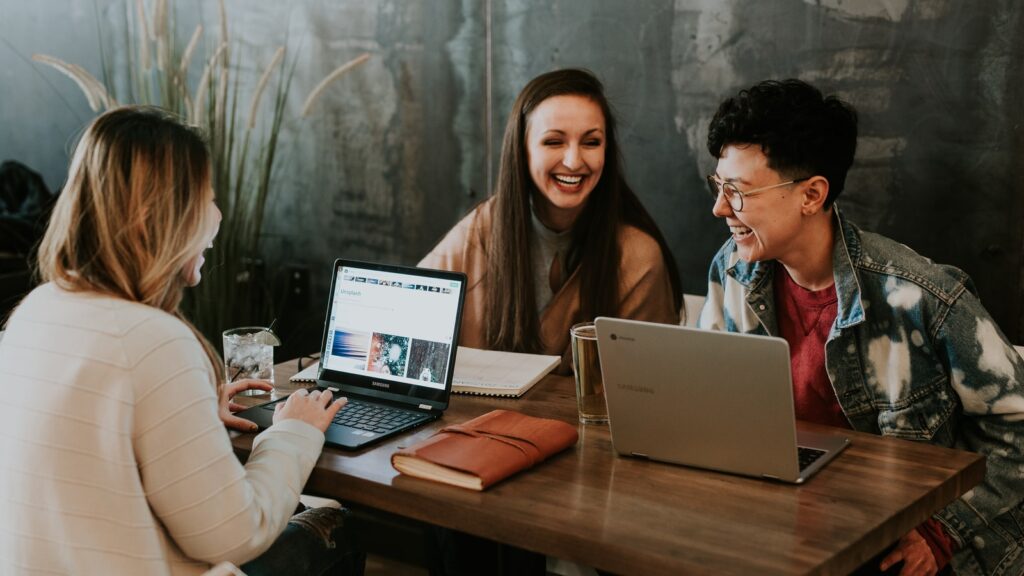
x: 243, y: 137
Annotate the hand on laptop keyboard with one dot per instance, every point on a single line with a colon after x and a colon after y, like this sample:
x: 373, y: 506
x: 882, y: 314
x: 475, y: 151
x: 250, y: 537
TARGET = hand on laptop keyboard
x: 226, y: 408
x: 314, y: 408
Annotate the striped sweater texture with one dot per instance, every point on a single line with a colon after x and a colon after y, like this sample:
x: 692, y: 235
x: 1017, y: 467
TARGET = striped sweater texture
x: 112, y: 457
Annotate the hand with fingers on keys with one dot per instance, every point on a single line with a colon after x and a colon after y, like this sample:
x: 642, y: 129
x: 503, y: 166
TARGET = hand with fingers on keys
x: 315, y: 408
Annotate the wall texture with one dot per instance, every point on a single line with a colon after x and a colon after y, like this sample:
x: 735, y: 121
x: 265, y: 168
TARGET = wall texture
x: 397, y: 151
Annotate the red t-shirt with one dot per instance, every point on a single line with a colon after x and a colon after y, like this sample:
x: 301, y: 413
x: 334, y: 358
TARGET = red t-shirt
x: 805, y: 318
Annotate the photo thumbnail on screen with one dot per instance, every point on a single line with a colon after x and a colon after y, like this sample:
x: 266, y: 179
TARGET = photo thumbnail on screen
x: 428, y: 361
x: 389, y: 354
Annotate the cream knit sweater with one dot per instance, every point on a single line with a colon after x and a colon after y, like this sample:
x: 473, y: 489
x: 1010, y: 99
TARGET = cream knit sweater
x: 112, y: 457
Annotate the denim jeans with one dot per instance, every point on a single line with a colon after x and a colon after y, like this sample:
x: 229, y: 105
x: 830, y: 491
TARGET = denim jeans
x: 315, y: 543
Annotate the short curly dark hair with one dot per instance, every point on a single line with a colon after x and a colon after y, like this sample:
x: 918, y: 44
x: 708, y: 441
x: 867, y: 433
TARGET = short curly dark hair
x: 800, y: 131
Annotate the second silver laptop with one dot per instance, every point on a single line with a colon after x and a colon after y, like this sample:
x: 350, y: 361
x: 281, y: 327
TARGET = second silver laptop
x: 707, y: 399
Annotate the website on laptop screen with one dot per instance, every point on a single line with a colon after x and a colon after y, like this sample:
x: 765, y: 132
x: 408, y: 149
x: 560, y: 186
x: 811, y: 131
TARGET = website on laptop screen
x: 392, y: 326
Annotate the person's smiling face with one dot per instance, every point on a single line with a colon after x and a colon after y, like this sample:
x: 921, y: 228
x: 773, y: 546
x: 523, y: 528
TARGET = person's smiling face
x: 565, y: 144
x: 768, y: 226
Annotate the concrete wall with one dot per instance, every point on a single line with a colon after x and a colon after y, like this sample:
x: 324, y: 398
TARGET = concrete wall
x: 398, y: 151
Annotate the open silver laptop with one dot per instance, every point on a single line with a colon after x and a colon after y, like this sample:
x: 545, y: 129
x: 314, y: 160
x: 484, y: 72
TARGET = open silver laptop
x: 708, y: 399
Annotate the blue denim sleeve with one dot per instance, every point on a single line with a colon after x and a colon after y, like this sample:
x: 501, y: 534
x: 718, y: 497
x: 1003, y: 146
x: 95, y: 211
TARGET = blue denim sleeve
x: 713, y: 315
x: 987, y: 374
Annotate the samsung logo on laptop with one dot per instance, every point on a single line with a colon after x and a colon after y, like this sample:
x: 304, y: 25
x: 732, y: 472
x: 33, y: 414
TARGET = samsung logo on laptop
x: 636, y: 388
x: 383, y: 385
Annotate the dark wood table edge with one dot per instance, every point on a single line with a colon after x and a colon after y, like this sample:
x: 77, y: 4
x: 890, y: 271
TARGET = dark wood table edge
x: 408, y: 502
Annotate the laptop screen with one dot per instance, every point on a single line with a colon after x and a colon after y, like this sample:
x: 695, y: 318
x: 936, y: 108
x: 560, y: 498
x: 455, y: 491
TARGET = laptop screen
x: 392, y: 332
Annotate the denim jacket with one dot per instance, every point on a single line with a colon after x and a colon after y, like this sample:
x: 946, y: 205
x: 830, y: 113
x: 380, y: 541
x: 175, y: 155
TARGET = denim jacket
x: 912, y: 354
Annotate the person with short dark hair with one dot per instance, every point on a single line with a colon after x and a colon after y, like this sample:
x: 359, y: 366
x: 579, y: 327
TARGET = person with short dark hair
x: 882, y: 340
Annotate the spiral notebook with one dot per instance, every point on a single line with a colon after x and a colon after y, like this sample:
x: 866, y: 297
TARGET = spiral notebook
x: 484, y: 372
x: 308, y: 375
x: 492, y: 373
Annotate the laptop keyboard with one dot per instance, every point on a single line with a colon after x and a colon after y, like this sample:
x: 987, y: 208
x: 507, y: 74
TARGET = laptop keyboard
x: 808, y: 456
x: 376, y: 418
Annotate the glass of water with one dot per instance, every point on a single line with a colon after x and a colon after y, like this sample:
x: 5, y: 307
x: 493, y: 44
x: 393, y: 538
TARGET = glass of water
x: 249, y: 353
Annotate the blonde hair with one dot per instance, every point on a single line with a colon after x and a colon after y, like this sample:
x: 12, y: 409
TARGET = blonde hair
x: 132, y: 214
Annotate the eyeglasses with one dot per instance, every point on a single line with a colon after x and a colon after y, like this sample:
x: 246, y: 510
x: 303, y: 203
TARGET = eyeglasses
x: 734, y: 196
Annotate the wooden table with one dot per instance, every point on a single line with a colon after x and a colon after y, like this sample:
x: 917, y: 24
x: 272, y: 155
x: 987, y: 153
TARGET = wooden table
x: 632, y: 516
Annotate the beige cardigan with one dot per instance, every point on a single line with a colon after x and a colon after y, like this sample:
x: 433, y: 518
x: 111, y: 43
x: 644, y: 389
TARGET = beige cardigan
x: 114, y: 460
x: 644, y: 286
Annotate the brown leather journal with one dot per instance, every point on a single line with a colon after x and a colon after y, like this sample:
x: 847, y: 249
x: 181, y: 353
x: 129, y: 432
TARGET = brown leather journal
x: 486, y: 449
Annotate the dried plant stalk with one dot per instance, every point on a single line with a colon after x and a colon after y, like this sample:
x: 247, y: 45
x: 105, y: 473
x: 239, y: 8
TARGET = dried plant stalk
x: 338, y: 73
x: 160, y: 32
x: 94, y: 92
x: 261, y: 85
x: 186, y: 57
x: 243, y: 149
x: 222, y: 96
x: 106, y: 99
x: 204, y: 86
x: 223, y: 26
x: 144, y: 37
x: 182, y: 76
x: 160, y: 19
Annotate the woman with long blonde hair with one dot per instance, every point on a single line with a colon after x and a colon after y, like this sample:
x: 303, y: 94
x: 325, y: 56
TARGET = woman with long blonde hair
x: 115, y: 455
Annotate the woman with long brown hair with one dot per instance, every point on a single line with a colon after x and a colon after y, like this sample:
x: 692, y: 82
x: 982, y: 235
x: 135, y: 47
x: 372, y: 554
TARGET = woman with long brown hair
x: 564, y: 238
x: 114, y: 457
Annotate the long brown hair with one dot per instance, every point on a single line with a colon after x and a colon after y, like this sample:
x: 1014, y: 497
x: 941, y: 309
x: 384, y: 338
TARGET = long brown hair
x: 513, y: 323
x: 132, y: 214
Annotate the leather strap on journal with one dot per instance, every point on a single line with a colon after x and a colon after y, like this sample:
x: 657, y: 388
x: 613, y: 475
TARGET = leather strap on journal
x: 495, y: 445
x: 529, y: 449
